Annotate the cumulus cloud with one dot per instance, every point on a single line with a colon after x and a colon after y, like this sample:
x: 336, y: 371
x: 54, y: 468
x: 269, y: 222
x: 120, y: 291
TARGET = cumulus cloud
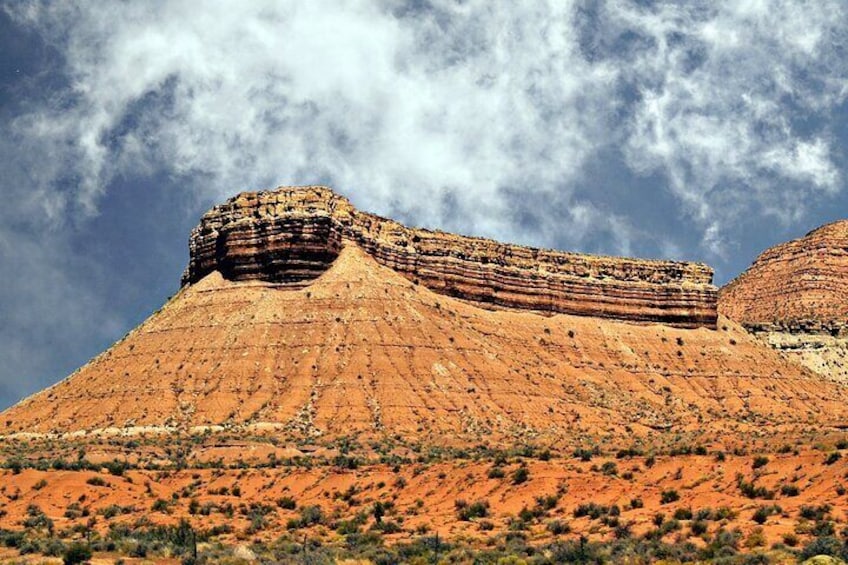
x: 437, y: 110
x: 719, y: 89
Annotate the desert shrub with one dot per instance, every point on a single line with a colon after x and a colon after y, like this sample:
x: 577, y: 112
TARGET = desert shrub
x: 110, y: 511
x: 592, y: 510
x: 37, y: 520
x: 96, y: 482
x: 286, y: 503
x: 558, y: 527
x: 790, y: 540
x: 116, y: 467
x: 723, y: 544
x: 669, y: 496
x: 760, y: 461
x: 699, y: 527
x: 467, y: 512
x: 309, y: 516
x: 683, y: 514
x: 751, y: 490
x: 485, y: 526
x: 789, y: 490
x: 724, y: 513
x: 11, y: 539
x: 583, y: 454
x: 762, y: 513
x: 496, y: 472
x: 520, y: 475
x: 832, y: 458
x: 629, y: 452
x: 609, y: 468
x: 160, y: 505
x: 814, y: 512
x: 824, y: 546
x: 76, y: 553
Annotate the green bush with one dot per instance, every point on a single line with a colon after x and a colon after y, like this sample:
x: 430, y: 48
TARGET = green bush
x: 467, y: 512
x: 520, y: 475
x: 789, y: 490
x: 286, y: 503
x: 496, y: 473
x: 76, y: 553
x: 833, y: 458
x: 669, y: 496
x: 760, y: 461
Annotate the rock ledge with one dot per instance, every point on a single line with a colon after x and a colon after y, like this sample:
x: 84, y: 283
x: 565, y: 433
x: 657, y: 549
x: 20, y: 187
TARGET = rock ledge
x: 291, y: 235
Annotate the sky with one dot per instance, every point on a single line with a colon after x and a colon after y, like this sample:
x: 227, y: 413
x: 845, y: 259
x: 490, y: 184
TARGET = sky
x: 703, y: 131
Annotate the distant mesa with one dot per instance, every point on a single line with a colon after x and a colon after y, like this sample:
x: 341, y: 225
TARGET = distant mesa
x: 292, y: 235
x: 800, y: 284
x: 795, y: 297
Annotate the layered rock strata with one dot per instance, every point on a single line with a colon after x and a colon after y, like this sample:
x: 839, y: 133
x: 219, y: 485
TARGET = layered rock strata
x: 364, y: 351
x: 291, y: 236
x: 795, y: 298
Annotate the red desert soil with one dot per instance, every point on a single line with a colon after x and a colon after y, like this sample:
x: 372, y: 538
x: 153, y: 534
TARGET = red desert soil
x: 424, y: 495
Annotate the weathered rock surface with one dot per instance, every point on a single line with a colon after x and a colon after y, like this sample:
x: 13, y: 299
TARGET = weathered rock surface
x: 363, y: 350
x: 795, y: 298
x: 292, y: 235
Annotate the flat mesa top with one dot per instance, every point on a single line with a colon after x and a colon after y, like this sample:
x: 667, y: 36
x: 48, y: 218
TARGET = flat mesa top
x: 293, y: 200
x: 293, y: 234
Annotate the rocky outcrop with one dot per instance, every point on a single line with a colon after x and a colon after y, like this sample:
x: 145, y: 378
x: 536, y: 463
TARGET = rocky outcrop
x: 795, y: 297
x: 798, y: 285
x: 291, y: 236
x: 362, y: 351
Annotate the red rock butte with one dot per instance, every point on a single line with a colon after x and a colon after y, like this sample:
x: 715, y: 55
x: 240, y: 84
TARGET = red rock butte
x: 795, y: 298
x: 302, y: 316
x: 800, y: 284
x: 292, y: 235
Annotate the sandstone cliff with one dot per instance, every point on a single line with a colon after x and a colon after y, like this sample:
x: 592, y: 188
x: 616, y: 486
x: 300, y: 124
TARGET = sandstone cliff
x: 292, y: 235
x: 341, y: 341
x: 795, y: 297
x: 363, y: 350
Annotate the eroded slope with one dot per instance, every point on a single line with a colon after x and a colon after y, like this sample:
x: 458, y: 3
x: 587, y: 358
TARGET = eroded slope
x: 364, y: 350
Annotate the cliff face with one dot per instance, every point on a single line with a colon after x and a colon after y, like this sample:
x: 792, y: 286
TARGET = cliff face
x: 363, y: 350
x: 302, y: 316
x: 795, y: 297
x: 292, y: 235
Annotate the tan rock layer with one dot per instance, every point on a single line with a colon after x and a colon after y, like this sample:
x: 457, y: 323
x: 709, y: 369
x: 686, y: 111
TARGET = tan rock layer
x: 362, y: 350
x: 292, y: 235
x: 800, y: 286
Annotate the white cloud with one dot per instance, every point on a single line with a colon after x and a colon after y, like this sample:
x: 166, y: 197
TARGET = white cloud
x: 401, y: 107
x: 720, y: 88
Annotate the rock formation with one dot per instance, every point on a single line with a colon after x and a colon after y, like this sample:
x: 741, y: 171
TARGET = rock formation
x: 306, y: 318
x: 795, y: 297
x: 292, y: 235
